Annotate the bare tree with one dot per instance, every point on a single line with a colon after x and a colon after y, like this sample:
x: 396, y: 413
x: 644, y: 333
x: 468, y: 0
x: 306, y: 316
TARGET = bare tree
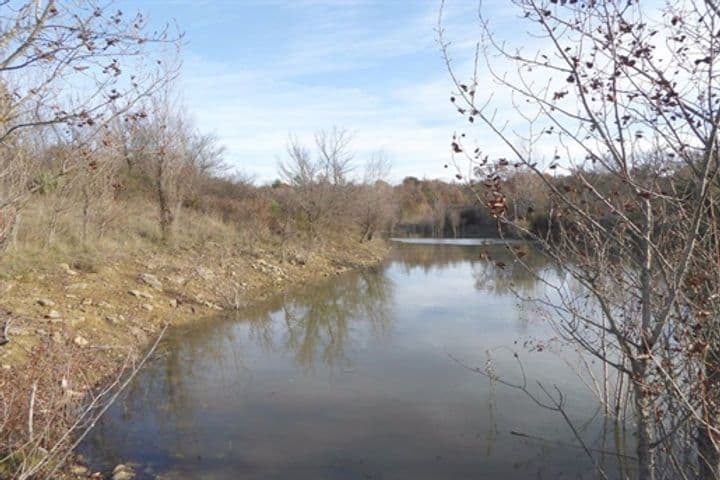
x: 624, y: 96
x: 45, y: 45
x: 204, y: 160
x: 335, y: 156
x: 162, y: 150
x: 454, y: 219
x: 374, y: 198
x: 320, y: 182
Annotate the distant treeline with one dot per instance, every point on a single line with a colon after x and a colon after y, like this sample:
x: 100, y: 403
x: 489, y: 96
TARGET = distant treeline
x: 435, y: 208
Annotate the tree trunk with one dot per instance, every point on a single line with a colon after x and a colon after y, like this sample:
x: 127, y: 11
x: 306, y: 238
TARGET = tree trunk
x: 85, y: 216
x: 8, y: 218
x: 708, y: 455
x: 707, y: 442
x: 644, y: 415
x: 166, y: 212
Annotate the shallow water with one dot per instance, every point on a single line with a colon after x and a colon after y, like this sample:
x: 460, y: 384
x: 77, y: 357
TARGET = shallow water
x: 362, y: 378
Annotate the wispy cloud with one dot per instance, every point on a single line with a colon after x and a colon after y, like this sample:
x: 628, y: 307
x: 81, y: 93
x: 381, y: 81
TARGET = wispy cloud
x: 257, y: 71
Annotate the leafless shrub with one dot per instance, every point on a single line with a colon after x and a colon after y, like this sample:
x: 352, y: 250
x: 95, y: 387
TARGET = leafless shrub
x: 319, y: 182
x: 43, y: 45
x: 621, y: 94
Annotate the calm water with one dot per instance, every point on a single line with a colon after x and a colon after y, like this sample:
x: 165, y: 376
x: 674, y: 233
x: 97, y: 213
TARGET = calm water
x: 354, y: 379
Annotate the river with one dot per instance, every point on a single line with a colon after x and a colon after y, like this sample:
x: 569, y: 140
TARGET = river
x: 364, y: 377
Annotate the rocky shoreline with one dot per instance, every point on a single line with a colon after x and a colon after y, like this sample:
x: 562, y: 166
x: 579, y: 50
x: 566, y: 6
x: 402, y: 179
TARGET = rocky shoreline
x: 85, y: 320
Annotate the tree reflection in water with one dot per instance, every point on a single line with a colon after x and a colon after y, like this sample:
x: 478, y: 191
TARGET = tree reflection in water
x: 318, y: 322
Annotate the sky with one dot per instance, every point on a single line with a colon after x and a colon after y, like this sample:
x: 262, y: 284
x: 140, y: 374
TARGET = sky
x: 256, y: 71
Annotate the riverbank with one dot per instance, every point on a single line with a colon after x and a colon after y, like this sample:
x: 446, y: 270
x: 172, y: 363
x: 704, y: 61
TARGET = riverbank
x: 76, y: 319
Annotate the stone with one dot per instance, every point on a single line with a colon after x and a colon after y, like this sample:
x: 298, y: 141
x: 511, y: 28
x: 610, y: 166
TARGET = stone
x: 77, y: 286
x: 140, y: 294
x: 81, y: 341
x: 45, y: 302
x: 151, y: 280
x: 53, y: 314
x: 123, y: 472
x: 104, y: 304
x: 112, y: 319
x: 57, y: 337
x: 148, y: 307
x: 66, y: 268
x: 79, y: 470
x: 173, y: 302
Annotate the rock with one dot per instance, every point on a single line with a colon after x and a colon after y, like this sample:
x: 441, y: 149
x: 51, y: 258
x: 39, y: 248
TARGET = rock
x: 298, y: 259
x: 53, y: 314
x: 151, y: 280
x: 79, y: 470
x: 81, y: 341
x: 87, y: 301
x: 123, y: 472
x: 57, y: 337
x: 173, y: 302
x: 66, y: 268
x: 211, y: 305
x: 112, y: 319
x: 17, y: 330
x: 41, y: 332
x: 77, y: 286
x: 140, y: 294
x: 148, y: 307
x: 45, y: 302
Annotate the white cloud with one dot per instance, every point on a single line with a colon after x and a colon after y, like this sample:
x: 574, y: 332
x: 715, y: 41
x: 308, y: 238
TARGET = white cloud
x: 254, y: 107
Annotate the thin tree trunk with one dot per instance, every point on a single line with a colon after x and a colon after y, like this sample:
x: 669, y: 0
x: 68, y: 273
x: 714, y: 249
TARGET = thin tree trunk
x: 707, y: 445
x: 645, y: 427
x: 85, y: 216
x: 8, y: 218
x: 708, y: 455
x: 166, y: 214
x: 643, y: 400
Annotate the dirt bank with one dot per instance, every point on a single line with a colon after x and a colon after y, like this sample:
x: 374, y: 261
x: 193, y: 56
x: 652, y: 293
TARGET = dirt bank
x: 75, y: 320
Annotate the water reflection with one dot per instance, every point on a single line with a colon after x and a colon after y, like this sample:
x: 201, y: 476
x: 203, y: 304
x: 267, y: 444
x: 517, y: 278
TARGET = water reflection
x: 352, y: 379
x: 318, y: 323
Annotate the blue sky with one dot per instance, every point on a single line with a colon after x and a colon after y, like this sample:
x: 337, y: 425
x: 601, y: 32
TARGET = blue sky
x: 255, y: 71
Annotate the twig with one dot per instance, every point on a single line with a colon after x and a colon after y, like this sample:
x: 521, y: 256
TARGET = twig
x: 31, y: 413
x: 104, y: 408
x: 563, y: 444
